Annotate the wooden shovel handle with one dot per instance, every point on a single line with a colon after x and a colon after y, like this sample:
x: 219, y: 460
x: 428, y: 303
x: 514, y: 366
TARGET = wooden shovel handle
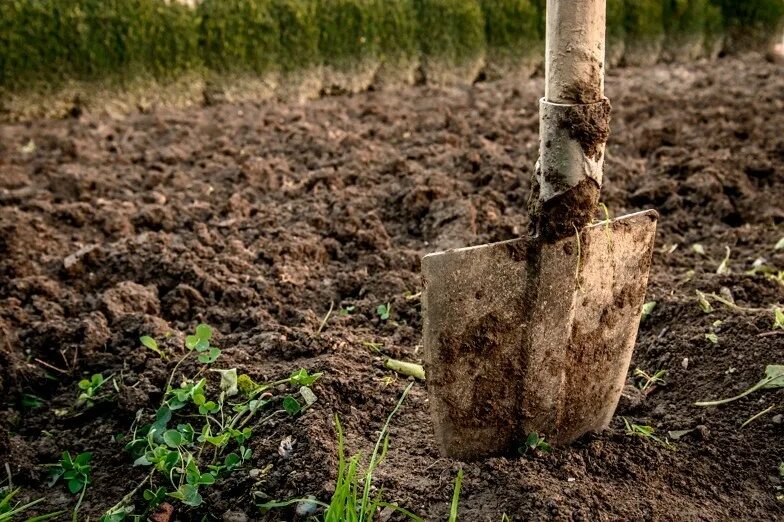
x: 574, y: 51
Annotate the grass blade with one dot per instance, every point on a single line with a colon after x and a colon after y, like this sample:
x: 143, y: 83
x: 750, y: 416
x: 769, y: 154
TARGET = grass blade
x: 456, y: 496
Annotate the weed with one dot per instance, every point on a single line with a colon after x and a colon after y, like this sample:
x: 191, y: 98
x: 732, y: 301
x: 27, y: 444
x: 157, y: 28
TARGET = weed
x: 698, y: 249
x: 774, y: 378
x: 647, y: 309
x: 75, y: 472
x: 712, y: 337
x: 724, y: 267
x: 195, y: 438
x: 351, y: 501
x: 705, y: 305
x: 383, y: 311
x: 89, y: 389
x: 347, y: 310
x: 535, y: 444
x: 778, y: 319
x: 10, y: 511
x: 152, y: 344
x: 646, y: 381
x: 456, y: 496
x: 646, y: 432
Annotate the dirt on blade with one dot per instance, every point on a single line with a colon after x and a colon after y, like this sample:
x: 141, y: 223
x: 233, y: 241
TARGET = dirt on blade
x: 255, y: 217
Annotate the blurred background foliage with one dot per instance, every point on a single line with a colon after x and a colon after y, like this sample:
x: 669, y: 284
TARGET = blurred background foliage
x: 54, y: 41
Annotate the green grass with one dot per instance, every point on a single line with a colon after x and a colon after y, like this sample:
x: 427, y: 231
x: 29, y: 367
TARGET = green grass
x: 352, y: 500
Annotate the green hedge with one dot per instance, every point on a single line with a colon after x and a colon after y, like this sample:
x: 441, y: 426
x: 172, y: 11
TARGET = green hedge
x: 514, y: 31
x: 616, y: 31
x: 684, y: 27
x: 452, y: 31
x: 751, y: 24
x: 52, y: 40
x: 644, y: 28
x: 49, y: 41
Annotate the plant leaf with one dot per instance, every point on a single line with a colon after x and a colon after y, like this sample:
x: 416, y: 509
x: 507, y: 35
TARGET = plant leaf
x: 172, y: 438
x: 151, y: 343
x: 291, y: 405
x: 774, y: 374
x: 228, y: 382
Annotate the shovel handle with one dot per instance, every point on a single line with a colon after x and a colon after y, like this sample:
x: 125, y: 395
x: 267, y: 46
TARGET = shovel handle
x: 574, y: 120
x: 574, y: 51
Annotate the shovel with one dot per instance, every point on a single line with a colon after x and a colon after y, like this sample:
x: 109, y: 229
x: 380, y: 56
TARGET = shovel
x: 536, y: 334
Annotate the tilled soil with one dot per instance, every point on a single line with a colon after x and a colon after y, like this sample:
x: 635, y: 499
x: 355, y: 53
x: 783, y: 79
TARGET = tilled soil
x: 255, y: 217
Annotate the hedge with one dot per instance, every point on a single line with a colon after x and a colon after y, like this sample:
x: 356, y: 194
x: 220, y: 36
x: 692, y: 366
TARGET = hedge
x: 616, y: 31
x: 451, y: 36
x: 751, y: 24
x: 51, y: 40
x: 514, y: 32
x: 684, y: 27
x: 47, y: 42
x: 644, y: 28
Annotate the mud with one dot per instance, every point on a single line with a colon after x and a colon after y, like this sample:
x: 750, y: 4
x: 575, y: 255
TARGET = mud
x: 253, y: 217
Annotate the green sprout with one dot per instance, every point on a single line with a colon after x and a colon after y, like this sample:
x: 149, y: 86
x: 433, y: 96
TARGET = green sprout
x: 456, y: 496
x: 712, y: 337
x: 152, y: 344
x: 535, y: 444
x: 705, y: 305
x: 647, y: 309
x: 383, y: 311
x: 75, y: 472
x: 197, y: 436
x: 778, y: 319
x: 646, y: 381
x: 645, y: 432
x: 347, y: 310
x: 724, y: 267
x: 89, y: 389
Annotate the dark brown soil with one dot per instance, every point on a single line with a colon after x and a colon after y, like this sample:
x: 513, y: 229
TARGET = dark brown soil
x: 253, y: 218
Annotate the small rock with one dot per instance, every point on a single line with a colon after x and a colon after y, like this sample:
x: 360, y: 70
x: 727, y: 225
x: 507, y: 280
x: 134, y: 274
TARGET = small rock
x: 307, y: 507
x: 71, y: 260
x: 726, y: 293
x: 285, y: 447
x: 235, y: 516
x: 685, y: 363
x: 703, y: 431
x: 778, y: 419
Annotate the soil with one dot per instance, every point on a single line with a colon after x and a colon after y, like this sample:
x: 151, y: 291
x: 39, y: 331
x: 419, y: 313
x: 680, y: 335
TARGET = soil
x: 254, y: 217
